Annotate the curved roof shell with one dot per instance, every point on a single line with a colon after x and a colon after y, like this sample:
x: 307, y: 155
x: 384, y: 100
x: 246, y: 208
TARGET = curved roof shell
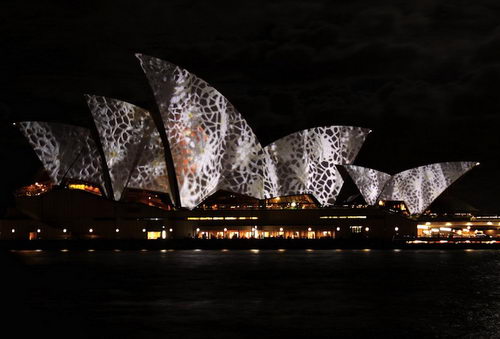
x: 66, y: 151
x: 418, y: 187
x: 132, y: 147
x: 305, y: 162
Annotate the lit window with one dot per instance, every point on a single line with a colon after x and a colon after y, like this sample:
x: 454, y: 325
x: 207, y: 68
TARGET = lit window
x: 356, y: 229
x: 154, y: 235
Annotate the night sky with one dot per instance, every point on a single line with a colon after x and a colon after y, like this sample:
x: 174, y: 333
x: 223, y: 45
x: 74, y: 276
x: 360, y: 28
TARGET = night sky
x: 423, y: 75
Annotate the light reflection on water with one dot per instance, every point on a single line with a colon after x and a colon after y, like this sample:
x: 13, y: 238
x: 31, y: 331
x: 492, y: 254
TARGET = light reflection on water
x: 294, y: 293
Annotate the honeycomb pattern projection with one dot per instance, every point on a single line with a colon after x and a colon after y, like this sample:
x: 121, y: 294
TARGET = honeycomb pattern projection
x: 304, y: 162
x: 419, y: 187
x: 131, y: 144
x: 370, y: 182
x: 240, y: 164
x: 65, y: 151
x: 212, y: 146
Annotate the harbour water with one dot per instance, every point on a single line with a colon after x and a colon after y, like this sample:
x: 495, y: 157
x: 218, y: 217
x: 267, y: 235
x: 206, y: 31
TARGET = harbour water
x: 252, y: 293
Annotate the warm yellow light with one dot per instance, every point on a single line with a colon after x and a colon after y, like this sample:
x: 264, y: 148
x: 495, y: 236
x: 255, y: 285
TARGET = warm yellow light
x: 489, y: 223
x: 445, y: 229
x: 343, y: 217
x: 448, y: 224
x: 84, y: 187
x: 281, y: 229
x: 154, y: 235
x: 309, y: 229
x: 427, y: 223
x: 197, y: 230
x: 367, y: 229
x: 225, y: 229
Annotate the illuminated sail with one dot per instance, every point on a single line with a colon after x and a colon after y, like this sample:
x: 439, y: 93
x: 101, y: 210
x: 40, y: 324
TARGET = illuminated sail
x: 305, y: 162
x: 212, y: 146
x: 66, y: 152
x: 370, y: 182
x: 419, y: 187
x: 131, y: 144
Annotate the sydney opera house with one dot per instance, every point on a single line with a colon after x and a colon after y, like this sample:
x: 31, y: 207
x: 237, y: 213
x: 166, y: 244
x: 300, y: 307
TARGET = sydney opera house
x: 194, y: 168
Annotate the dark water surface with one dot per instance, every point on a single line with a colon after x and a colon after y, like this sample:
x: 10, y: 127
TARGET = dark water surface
x: 245, y: 294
